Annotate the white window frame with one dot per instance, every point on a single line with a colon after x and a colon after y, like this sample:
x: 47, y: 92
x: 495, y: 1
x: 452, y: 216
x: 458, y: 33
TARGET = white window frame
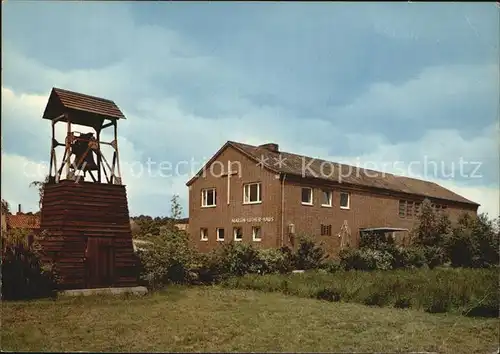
x: 311, y: 194
x: 234, y: 233
x: 259, y: 193
x: 348, y: 200
x: 330, y: 199
x: 205, y: 198
x: 203, y: 235
x: 217, y: 234
x: 253, y: 233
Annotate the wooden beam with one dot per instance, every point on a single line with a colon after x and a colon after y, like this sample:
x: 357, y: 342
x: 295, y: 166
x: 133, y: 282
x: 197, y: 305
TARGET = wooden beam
x: 113, y: 164
x: 106, y: 143
x: 92, y: 176
x: 106, y: 175
x: 107, y: 125
x: 56, y: 119
x: 62, y: 164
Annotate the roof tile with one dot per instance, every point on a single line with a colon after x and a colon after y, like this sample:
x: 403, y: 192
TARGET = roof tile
x: 23, y: 221
x: 294, y: 165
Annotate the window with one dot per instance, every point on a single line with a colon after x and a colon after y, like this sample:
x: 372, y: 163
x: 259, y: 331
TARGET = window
x: 417, y: 209
x: 256, y: 235
x: 402, y: 208
x: 307, y: 196
x: 326, y: 230
x: 326, y: 198
x: 204, y: 234
x: 409, y: 209
x: 252, y: 193
x: 220, y: 234
x: 344, y: 200
x: 238, y: 234
x: 208, y: 197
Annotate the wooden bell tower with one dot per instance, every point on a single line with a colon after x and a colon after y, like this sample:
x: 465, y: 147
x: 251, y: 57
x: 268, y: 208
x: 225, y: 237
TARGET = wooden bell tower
x: 89, y: 237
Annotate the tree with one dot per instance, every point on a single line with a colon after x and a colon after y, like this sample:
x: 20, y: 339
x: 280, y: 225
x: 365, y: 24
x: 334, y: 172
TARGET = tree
x: 432, y: 227
x: 474, y: 242
x: 5, y: 207
x: 175, y: 208
x: 40, y: 185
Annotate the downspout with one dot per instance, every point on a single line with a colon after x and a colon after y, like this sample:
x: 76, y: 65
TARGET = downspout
x: 283, y: 210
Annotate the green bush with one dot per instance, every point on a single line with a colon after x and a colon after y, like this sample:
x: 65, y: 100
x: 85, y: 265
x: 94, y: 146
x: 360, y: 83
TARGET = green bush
x: 308, y: 255
x: 414, y: 257
x: 332, y: 266
x: 407, y: 257
x: 474, y: 242
x: 169, y: 259
x: 24, y: 275
x: 366, y: 259
x: 434, y: 256
x: 275, y: 261
x: 237, y: 259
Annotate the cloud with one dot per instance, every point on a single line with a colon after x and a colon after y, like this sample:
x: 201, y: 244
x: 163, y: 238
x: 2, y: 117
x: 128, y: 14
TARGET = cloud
x: 379, y: 88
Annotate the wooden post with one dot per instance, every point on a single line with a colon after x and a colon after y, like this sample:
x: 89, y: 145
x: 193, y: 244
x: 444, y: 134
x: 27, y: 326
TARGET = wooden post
x: 52, y: 152
x: 98, y: 155
x: 115, y: 125
x: 68, y: 147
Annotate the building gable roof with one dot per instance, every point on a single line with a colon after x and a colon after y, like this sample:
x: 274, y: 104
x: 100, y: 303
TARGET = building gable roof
x: 61, y: 100
x: 219, y: 152
x: 294, y: 164
x: 23, y: 221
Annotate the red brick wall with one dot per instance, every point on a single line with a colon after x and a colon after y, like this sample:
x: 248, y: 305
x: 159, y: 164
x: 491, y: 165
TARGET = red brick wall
x: 367, y: 208
x: 221, y: 216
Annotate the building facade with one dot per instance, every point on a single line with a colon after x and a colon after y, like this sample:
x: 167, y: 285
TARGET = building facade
x: 263, y: 196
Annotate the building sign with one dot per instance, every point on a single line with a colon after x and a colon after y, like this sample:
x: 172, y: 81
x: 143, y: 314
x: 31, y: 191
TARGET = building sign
x: 253, y: 219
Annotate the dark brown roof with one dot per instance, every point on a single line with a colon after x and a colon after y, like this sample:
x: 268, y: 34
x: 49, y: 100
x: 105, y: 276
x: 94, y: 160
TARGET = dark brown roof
x: 64, y: 99
x: 351, y: 175
x: 22, y: 221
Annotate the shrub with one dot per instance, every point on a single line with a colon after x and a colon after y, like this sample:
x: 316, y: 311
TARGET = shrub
x: 24, y: 275
x: 207, y: 268
x: 309, y: 255
x: 237, y: 259
x: 406, y: 257
x: 375, y: 240
x: 328, y: 294
x: 169, y: 259
x: 331, y: 266
x: 474, y: 242
x: 434, y: 255
x: 414, y: 257
x: 366, y: 259
x: 275, y: 260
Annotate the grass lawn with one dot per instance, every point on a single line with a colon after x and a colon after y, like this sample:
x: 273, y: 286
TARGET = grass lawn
x: 218, y: 319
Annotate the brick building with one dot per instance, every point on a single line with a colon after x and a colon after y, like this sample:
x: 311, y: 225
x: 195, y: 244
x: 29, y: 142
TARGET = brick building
x: 20, y: 220
x: 260, y: 195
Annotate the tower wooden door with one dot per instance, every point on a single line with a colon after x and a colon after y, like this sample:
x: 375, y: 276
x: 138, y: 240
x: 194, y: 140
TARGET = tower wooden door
x: 100, y: 262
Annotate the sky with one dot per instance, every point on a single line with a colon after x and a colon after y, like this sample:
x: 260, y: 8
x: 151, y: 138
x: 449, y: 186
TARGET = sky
x: 372, y: 84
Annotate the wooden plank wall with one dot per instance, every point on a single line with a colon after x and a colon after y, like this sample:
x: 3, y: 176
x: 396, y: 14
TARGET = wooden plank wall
x: 75, y: 213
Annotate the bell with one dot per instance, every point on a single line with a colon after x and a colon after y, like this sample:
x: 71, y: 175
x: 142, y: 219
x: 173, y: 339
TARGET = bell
x: 79, y: 148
